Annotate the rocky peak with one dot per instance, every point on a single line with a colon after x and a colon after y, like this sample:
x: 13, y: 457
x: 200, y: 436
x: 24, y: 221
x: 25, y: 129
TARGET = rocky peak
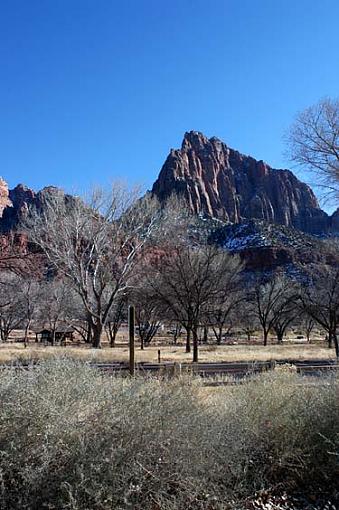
x: 15, y: 203
x: 222, y: 183
x: 21, y: 194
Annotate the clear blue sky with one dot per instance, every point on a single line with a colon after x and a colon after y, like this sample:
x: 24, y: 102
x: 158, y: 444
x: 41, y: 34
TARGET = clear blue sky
x: 92, y: 90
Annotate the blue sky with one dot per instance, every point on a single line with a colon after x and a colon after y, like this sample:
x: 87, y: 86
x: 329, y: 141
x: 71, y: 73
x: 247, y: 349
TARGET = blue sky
x: 94, y: 90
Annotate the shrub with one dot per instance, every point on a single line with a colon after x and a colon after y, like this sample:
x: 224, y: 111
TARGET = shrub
x: 71, y: 438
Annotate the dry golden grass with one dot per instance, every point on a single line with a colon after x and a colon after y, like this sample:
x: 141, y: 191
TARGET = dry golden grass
x: 289, y: 351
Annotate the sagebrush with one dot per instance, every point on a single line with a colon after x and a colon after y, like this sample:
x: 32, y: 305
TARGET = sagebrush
x: 72, y: 438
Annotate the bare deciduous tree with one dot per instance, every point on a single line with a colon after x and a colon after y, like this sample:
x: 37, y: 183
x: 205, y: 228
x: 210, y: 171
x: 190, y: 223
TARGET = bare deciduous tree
x: 313, y: 141
x: 95, y: 245
x: 320, y: 300
x: 115, y: 319
x: 147, y: 312
x: 188, y: 281
x: 54, y: 305
x: 271, y: 301
x: 225, y: 312
x: 12, y: 310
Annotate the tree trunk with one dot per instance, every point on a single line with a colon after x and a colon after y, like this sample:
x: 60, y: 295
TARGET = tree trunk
x: 96, y: 335
x: 195, y: 345
x: 205, y: 337
x: 113, y: 335
x: 336, y: 346
x: 88, y: 339
x: 330, y: 337
x: 265, y: 337
x: 177, y: 333
x: 280, y: 337
x: 26, y: 333
x: 188, y: 340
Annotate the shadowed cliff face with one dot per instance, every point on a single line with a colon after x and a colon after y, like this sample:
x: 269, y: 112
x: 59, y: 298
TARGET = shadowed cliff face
x: 220, y: 182
x: 15, y: 203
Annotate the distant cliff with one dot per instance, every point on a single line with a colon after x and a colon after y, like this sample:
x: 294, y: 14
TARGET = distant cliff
x: 14, y: 203
x: 219, y: 182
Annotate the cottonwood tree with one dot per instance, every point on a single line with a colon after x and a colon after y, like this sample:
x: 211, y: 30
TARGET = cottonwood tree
x: 54, y: 306
x: 226, y: 310
x: 320, y: 300
x: 30, y: 297
x: 147, y: 312
x: 115, y: 319
x: 188, y: 280
x: 246, y: 319
x: 271, y: 301
x: 95, y: 245
x: 286, y: 313
x: 313, y: 141
x: 308, y: 325
x: 11, y: 305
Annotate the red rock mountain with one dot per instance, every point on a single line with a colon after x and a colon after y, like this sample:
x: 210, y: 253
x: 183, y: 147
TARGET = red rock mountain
x: 220, y: 182
x: 14, y: 203
x: 217, y: 182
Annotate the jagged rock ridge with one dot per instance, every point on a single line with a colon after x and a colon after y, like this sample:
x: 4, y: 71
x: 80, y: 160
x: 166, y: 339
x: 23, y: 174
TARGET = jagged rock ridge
x: 222, y: 183
x: 14, y: 203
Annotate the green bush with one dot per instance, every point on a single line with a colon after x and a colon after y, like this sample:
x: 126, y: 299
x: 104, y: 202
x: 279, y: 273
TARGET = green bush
x: 71, y: 438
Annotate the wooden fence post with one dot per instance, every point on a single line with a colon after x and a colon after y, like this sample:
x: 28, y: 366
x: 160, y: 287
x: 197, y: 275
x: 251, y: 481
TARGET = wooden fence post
x: 131, y: 326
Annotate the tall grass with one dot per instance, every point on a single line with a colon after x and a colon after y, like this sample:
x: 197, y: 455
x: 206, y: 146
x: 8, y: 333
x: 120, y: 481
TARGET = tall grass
x: 71, y: 438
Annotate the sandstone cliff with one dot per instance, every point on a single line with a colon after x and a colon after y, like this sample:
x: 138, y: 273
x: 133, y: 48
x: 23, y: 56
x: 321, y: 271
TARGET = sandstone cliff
x: 219, y: 182
x: 14, y: 203
x: 4, y: 196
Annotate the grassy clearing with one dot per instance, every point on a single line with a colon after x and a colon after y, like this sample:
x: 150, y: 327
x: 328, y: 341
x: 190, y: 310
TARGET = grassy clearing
x: 71, y: 438
x: 17, y: 351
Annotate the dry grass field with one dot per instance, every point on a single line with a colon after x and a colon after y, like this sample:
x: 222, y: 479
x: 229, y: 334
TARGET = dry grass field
x: 292, y: 349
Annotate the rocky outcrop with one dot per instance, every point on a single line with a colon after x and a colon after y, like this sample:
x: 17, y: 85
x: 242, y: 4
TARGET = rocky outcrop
x: 222, y: 183
x: 21, y: 198
x: 267, y: 246
x: 4, y: 196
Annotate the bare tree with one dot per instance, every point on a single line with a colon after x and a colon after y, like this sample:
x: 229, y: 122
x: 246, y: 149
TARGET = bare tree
x: 285, y: 315
x: 115, y: 319
x: 320, y: 300
x: 188, y: 281
x: 30, y: 290
x: 54, y: 306
x: 226, y: 306
x: 147, y: 312
x: 246, y: 318
x: 12, y: 309
x: 95, y: 245
x: 271, y: 301
x: 308, y: 324
x: 313, y: 141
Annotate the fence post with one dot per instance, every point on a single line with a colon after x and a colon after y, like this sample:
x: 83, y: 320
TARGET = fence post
x: 159, y: 356
x: 131, y: 327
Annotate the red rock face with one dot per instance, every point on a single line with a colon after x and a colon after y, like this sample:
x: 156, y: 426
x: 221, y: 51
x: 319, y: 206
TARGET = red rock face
x: 222, y: 183
x: 4, y: 196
